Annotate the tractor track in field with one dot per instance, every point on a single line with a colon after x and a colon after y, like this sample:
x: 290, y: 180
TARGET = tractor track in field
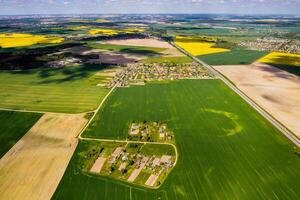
x: 286, y: 132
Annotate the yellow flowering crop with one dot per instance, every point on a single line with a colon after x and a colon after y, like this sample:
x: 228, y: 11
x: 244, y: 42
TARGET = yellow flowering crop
x: 102, y: 20
x: 76, y: 28
x: 114, y: 31
x: 19, y: 40
x: 103, y: 31
x: 281, y: 59
x: 198, y: 46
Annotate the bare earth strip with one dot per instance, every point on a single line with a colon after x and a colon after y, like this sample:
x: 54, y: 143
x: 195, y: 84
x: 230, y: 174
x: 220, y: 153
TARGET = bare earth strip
x: 33, y: 168
x: 275, y: 90
x: 151, y: 180
x: 97, y: 166
x: 137, y: 171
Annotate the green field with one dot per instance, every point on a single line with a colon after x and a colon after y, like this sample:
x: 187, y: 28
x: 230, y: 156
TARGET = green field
x: 70, y: 90
x: 13, y: 126
x: 234, y: 57
x: 138, y: 50
x: 226, y: 149
x: 173, y: 60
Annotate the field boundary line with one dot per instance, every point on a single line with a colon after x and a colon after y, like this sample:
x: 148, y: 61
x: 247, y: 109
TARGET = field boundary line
x: 286, y: 132
x: 96, y: 111
x: 43, y: 112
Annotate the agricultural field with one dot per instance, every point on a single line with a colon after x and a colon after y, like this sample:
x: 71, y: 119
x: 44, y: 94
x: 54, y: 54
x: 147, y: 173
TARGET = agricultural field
x: 139, y: 50
x: 198, y: 46
x: 235, y: 56
x: 266, y: 85
x: 33, y: 167
x: 13, y: 126
x: 286, y: 61
x: 174, y: 60
x: 20, y: 40
x: 69, y: 90
x: 108, y: 32
x: 224, y: 146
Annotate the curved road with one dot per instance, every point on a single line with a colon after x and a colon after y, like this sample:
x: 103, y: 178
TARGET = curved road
x: 265, y: 114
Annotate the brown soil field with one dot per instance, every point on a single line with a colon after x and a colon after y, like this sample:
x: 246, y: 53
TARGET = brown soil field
x: 33, y: 168
x: 276, y: 91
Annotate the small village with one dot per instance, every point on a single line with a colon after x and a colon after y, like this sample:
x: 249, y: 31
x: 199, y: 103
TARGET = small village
x: 139, y: 73
x: 271, y: 44
x: 150, y: 132
x: 135, y: 161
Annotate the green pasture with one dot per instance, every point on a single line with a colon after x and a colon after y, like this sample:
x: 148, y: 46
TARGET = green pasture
x: 174, y: 60
x: 138, y: 50
x: 226, y: 149
x: 68, y: 90
x: 13, y: 126
x: 233, y: 57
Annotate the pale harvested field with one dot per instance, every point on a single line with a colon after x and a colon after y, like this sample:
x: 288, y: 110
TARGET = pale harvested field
x: 149, y: 42
x: 277, y: 91
x: 33, y: 168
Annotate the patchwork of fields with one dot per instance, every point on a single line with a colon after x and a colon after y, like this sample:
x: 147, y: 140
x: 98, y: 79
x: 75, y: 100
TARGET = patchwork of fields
x: 33, y: 167
x: 69, y: 90
x: 225, y: 147
x: 13, y: 126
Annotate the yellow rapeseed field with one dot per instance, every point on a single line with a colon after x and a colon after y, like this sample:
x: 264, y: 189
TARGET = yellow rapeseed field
x: 198, y: 46
x: 102, y: 20
x: 104, y: 31
x: 19, y: 39
x: 281, y: 59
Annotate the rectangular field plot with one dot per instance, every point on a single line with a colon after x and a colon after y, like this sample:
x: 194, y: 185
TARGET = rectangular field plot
x: 69, y: 90
x: 226, y: 149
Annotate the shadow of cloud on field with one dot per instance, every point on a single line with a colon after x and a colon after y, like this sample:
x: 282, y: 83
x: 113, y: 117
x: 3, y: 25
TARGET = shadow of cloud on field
x: 286, y: 63
x: 68, y: 74
x: 139, y: 51
x: 278, y: 71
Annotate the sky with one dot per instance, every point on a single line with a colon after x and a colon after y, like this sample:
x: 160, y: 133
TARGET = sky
x: 18, y: 7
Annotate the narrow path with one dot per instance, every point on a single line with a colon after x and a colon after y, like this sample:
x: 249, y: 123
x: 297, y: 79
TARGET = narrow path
x: 292, y: 137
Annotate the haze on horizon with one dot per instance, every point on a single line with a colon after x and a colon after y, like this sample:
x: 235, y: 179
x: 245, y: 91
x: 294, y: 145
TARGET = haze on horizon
x: 20, y: 7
